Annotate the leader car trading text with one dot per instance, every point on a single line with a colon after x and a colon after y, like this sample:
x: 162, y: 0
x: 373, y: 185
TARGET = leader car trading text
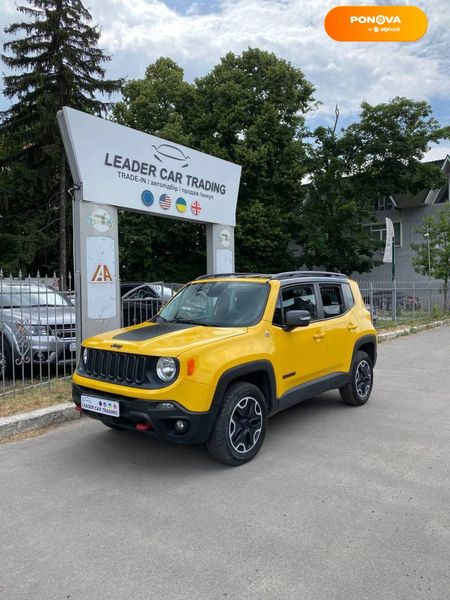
x: 137, y: 169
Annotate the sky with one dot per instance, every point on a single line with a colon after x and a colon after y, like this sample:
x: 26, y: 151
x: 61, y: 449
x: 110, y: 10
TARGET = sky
x: 196, y: 34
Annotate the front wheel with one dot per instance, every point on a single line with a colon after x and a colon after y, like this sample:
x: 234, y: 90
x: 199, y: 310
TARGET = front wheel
x: 357, y: 390
x: 240, y: 428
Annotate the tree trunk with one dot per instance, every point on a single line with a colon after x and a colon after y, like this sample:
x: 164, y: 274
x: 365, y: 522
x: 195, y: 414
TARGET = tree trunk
x: 62, y: 222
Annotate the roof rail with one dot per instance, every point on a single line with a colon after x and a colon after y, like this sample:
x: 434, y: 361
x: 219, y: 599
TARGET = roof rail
x: 289, y: 274
x: 220, y: 275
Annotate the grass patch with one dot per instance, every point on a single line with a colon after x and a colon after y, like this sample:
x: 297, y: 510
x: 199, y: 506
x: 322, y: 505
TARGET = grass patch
x: 32, y: 398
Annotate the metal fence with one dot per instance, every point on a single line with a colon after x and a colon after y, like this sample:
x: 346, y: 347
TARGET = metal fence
x: 37, y: 320
x: 37, y: 325
x: 396, y: 302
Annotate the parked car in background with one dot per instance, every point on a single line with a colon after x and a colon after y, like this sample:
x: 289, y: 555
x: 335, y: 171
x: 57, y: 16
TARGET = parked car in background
x: 37, y: 327
x: 141, y: 301
x: 382, y: 299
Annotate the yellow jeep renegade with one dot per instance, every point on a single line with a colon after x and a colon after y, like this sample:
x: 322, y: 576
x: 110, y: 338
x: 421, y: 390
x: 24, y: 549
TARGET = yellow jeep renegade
x: 227, y: 352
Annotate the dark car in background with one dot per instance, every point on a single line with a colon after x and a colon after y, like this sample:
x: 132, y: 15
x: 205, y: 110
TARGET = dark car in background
x: 141, y: 301
x: 382, y: 299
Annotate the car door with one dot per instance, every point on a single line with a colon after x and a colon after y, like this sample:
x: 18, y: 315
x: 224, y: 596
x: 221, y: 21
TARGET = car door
x: 341, y: 326
x: 300, y: 352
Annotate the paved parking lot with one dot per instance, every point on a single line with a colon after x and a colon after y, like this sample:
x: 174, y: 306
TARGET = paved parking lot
x: 341, y: 503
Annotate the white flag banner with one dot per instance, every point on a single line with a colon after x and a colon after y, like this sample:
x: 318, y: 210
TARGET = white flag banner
x: 390, y: 234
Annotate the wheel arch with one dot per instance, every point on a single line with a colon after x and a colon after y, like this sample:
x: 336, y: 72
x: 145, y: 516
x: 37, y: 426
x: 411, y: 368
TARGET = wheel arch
x: 259, y: 373
x: 367, y: 344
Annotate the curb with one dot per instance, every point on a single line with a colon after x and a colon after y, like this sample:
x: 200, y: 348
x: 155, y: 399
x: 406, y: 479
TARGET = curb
x: 52, y: 415
x: 391, y: 335
x: 37, y: 419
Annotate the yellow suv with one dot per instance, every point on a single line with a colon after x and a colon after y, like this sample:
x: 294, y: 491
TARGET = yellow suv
x: 227, y: 352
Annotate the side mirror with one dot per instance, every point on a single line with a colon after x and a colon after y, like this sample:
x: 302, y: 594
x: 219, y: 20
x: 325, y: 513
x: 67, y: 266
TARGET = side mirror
x: 297, y: 318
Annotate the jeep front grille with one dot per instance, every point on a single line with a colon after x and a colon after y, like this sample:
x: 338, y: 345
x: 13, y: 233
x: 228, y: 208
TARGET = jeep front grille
x: 121, y: 368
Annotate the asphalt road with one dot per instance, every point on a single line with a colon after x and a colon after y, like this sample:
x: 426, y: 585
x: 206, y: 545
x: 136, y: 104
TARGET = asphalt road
x: 341, y: 504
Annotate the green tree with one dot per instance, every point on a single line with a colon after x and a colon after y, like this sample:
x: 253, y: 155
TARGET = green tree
x: 153, y: 248
x: 251, y: 111
x: 432, y: 256
x: 389, y: 142
x: 378, y: 156
x: 337, y: 207
x: 55, y: 61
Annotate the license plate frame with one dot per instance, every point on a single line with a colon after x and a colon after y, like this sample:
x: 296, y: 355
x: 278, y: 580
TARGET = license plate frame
x: 110, y: 408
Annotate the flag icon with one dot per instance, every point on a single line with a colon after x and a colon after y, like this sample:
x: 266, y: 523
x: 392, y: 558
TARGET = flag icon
x: 147, y: 198
x: 165, y: 201
x: 181, y: 205
x: 196, y: 208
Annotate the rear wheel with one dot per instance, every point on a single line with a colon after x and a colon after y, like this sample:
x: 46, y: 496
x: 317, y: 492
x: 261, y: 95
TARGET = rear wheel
x: 240, y: 428
x: 359, y: 386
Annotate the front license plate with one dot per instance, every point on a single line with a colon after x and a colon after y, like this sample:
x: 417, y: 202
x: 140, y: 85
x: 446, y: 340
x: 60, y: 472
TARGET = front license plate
x: 72, y: 347
x: 105, y: 407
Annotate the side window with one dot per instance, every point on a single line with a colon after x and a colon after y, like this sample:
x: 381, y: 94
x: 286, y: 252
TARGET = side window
x: 301, y: 297
x: 348, y: 295
x: 333, y: 304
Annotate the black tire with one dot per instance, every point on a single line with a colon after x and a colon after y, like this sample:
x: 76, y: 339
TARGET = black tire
x: 6, y: 361
x: 113, y: 426
x: 359, y: 386
x: 241, y: 425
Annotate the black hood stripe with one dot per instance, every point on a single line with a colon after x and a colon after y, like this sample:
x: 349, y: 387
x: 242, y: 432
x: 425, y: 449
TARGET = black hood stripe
x: 151, y: 331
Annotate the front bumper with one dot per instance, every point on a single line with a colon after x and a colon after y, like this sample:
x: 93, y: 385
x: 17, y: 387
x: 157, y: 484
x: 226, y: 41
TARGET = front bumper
x: 134, y: 411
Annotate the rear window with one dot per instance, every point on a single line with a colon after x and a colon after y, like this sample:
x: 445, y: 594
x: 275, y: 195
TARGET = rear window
x: 332, y: 301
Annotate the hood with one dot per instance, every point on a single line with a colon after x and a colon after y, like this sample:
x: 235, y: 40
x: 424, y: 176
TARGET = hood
x: 45, y: 315
x: 162, y: 339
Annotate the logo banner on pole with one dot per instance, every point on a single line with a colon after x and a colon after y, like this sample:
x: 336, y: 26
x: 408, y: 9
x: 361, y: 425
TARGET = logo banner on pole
x: 390, y: 235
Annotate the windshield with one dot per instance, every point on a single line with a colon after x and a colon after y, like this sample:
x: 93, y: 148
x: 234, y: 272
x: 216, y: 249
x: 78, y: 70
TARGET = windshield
x: 217, y: 303
x: 18, y: 296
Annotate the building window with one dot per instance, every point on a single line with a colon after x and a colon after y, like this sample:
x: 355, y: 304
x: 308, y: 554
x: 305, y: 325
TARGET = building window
x: 384, y: 204
x: 379, y: 232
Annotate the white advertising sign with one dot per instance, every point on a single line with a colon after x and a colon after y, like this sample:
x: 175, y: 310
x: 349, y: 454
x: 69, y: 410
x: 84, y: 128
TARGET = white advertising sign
x: 122, y: 167
x: 387, y: 258
x: 101, y: 273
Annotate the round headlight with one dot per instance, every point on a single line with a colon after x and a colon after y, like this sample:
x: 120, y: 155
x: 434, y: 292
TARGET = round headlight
x: 85, y: 356
x: 166, y: 368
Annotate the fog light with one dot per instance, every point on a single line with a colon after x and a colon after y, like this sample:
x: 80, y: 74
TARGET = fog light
x: 181, y: 425
x: 165, y: 406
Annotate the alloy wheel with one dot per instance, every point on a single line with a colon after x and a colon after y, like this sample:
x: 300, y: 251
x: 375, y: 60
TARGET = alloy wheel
x: 245, y: 425
x: 363, y: 378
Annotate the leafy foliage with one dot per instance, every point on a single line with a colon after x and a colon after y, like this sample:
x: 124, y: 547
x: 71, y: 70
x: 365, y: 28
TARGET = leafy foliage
x: 248, y: 110
x: 432, y: 256
x: 55, y: 62
x: 375, y: 157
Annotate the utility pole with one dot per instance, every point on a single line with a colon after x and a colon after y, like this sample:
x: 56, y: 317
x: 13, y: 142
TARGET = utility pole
x: 427, y: 236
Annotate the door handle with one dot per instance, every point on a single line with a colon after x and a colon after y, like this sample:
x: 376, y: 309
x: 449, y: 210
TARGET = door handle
x: 318, y: 336
x: 351, y: 326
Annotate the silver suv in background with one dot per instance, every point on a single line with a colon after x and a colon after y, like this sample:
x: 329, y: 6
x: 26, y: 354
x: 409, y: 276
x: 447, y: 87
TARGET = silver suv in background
x: 37, y: 328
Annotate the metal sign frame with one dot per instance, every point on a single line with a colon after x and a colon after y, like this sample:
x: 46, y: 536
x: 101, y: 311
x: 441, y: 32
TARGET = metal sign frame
x: 95, y: 221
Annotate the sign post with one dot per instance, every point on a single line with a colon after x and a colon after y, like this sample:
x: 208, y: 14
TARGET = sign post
x: 116, y: 167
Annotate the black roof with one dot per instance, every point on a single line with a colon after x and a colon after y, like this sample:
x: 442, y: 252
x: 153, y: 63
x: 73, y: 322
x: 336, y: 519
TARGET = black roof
x: 288, y: 275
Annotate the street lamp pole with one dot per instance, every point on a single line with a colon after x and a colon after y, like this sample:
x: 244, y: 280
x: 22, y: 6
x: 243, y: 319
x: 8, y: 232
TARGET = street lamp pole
x: 427, y: 236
